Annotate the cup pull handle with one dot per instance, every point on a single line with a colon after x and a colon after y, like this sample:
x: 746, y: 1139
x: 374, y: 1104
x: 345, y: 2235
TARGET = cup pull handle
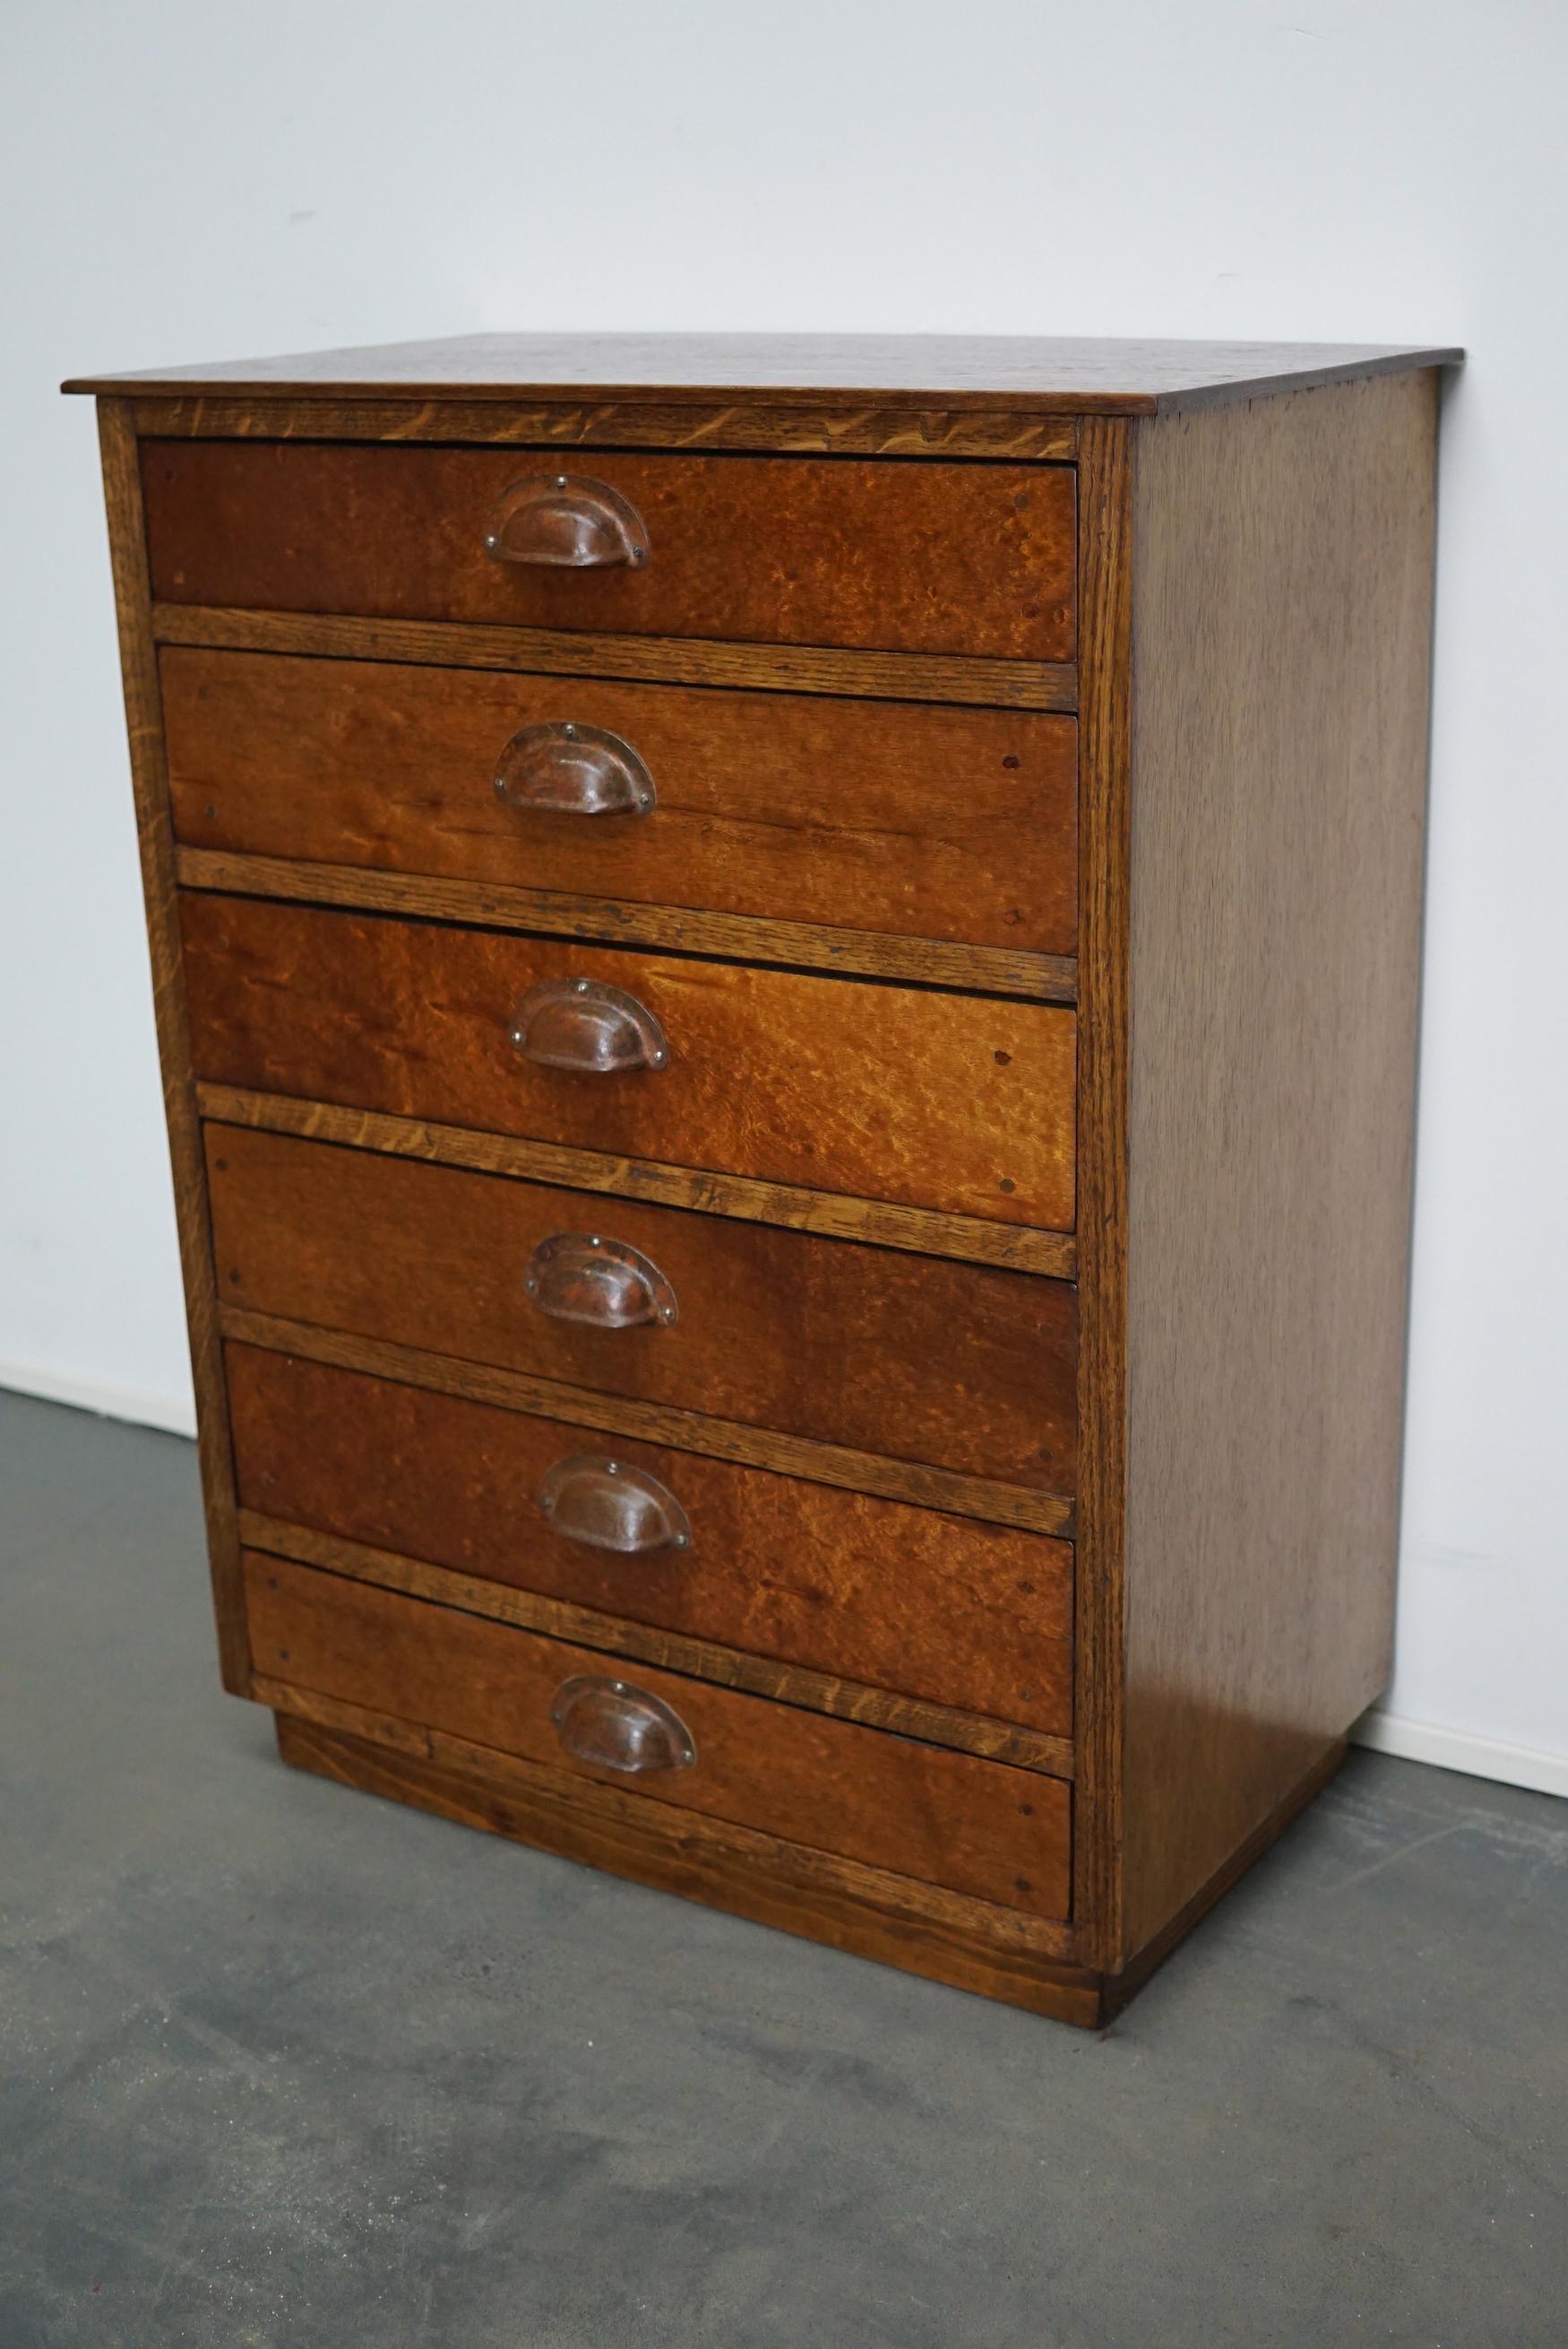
x: 615, y: 1726
x: 605, y: 1504
x: 573, y: 771
x: 603, y: 1284
x: 565, y: 521
x: 592, y: 1030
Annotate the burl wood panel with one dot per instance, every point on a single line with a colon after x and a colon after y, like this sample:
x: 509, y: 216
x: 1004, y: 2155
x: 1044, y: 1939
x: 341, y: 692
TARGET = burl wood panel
x: 961, y: 1103
x: 1282, y: 634
x: 978, y: 1616
x: 980, y: 1827
x: 910, y: 1357
x: 935, y: 823
x: 897, y: 556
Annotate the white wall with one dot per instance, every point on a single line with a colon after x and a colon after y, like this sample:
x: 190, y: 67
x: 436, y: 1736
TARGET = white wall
x: 189, y: 181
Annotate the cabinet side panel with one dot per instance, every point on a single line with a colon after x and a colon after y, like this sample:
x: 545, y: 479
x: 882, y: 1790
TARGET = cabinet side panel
x: 149, y: 780
x: 1281, y: 627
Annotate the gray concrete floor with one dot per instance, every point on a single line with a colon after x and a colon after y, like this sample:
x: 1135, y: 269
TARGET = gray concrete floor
x: 286, y: 2065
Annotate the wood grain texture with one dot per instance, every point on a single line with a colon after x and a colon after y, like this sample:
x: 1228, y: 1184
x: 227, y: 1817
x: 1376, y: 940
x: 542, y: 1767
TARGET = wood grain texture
x: 926, y: 558
x: 149, y: 783
x: 816, y: 1586
x: 948, y: 1818
x: 914, y: 820
x: 669, y: 660
x: 962, y: 1105
x: 803, y: 430
x: 1281, y: 645
x: 990, y: 970
x: 1009, y: 1246
x: 953, y: 1365
x: 972, y: 1945
x: 1083, y: 375
x: 1105, y: 493
x: 620, y: 1638
x: 684, y: 1431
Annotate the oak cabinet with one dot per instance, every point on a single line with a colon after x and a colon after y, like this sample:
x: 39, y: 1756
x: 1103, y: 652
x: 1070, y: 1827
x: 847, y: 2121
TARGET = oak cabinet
x: 788, y: 1020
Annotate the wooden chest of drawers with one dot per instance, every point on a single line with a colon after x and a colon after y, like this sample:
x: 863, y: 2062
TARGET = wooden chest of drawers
x: 787, y: 980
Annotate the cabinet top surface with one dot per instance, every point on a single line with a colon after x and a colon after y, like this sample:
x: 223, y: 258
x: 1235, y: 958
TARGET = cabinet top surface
x: 1051, y: 375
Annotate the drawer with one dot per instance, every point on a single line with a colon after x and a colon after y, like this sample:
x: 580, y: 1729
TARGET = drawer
x: 912, y: 1600
x: 957, y: 825
x: 913, y: 1357
x: 997, y: 1833
x: 961, y: 1103
x: 970, y: 558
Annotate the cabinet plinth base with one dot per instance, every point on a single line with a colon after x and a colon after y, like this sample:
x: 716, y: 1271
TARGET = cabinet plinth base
x: 962, y: 1944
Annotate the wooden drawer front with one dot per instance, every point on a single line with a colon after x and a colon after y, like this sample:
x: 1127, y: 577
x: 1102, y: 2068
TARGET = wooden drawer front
x: 962, y: 1103
x: 957, y: 825
x: 947, y: 1818
x: 898, y: 557
x: 913, y: 1357
x: 927, y: 1605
